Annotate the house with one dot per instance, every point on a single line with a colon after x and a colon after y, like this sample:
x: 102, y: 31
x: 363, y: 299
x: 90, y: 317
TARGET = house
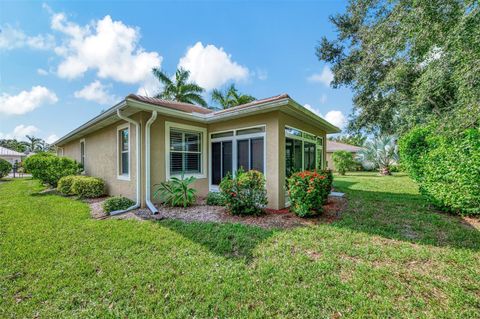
x: 337, y: 146
x: 143, y: 141
x: 11, y: 156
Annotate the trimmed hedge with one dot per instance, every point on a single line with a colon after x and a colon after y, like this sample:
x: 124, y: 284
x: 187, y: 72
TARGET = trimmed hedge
x: 447, y: 168
x: 49, y: 168
x: 88, y: 187
x: 117, y: 203
x: 65, y: 185
x: 5, y: 167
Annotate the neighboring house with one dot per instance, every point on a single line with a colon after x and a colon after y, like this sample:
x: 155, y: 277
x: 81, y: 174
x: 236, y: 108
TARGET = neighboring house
x: 156, y: 139
x: 337, y: 146
x: 11, y: 155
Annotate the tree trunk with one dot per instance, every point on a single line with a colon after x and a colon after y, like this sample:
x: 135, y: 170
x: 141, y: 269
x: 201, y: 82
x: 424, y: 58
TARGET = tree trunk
x: 385, y: 171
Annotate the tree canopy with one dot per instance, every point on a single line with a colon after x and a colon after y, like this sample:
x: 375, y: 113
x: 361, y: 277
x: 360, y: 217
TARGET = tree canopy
x: 230, y: 97
x: 408, y: 63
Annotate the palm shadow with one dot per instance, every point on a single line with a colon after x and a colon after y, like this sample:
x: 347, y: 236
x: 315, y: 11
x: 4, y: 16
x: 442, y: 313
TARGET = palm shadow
x: 232, y: 241
x: 403, y: 216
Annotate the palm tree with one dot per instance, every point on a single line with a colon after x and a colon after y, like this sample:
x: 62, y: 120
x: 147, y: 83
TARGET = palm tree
x: 179, y: 89
x: 382, y: 151
x: 230, y: 97
x: 33, y: 143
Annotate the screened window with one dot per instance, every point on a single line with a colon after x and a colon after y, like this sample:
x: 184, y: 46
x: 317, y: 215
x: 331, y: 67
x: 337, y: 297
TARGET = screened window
x: 309, y: 156
x: 303, y: 151
x: 185, y: 152
x: 250, y: 154
x: 221, y: 160
x: 124, y: 148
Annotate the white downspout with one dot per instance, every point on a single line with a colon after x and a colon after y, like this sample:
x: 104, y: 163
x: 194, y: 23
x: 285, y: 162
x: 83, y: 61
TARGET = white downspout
x: 138, y: 177
x: 149, y: 203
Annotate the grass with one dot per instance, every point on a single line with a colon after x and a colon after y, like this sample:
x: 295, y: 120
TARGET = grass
x: 390, y: 256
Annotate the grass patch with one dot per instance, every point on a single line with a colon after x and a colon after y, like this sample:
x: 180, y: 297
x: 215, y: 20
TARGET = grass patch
x: 390, y: 256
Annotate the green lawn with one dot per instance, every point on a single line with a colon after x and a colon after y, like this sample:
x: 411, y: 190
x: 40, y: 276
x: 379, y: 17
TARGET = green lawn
x: 390, y: 256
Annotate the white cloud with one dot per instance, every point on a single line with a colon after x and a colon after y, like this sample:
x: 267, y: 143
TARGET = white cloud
x: 150, y: 86
x: 262, y: 74
x: 325, y: 77
x: 312, y: 109
x: 26, y: 101
x: 51, y: 138
x: 211, y: 67
x: 336, y: 118
x: 42, y: 71
x: 96, y: 92
x: 11, y: 38
x: 19, y: 132
x: 109, y: 47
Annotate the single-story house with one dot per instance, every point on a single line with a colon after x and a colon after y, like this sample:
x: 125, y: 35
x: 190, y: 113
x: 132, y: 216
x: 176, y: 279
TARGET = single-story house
x: 337, y: 146
x: 143, y: 141
x: 11, y: 156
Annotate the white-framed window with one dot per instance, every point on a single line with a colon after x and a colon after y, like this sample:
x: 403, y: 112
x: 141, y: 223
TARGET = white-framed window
x: 186, y: 150
x: 230, y: 150
x: 123, y: 152
x: 303, y: 151
x: 82, y: 153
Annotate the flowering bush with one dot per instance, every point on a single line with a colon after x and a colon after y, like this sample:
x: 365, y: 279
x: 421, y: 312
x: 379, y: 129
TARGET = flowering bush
x: 245, y: 194
x: 308, y: 191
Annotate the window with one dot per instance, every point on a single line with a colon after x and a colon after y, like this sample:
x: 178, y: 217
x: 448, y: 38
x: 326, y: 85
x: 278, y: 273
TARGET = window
x: 82, y: 153
x: 250, y: 154
x: 124, y: 152
x: 221, y: 160
x: 303, y: 151
x: 185, y: 152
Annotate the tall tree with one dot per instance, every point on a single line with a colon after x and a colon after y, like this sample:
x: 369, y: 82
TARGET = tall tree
x: 33, y: 143
x: 408, y: 62
x: 230, y: 97
x: 179, y: 89
x: 353, y: 139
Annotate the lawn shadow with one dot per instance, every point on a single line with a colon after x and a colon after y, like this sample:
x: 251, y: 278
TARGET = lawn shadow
x: 404, y: 216
x: 233, y: 241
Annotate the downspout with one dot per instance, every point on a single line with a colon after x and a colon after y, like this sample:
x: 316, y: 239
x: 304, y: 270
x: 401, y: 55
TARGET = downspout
x: 137, y: 149
x: 149, y: 203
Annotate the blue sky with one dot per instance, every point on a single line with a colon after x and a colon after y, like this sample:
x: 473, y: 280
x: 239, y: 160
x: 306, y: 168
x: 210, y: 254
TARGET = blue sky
x: 61, y: 63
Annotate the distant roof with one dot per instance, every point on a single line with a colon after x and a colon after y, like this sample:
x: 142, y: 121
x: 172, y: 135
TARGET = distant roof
x: 337, y: 146
x: 184, y: 107
x: 8, y: 152
x: 253, y: 103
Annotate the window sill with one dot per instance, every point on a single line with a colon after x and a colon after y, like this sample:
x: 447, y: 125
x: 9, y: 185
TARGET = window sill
x: 197, y: 176
x: 123, y: 177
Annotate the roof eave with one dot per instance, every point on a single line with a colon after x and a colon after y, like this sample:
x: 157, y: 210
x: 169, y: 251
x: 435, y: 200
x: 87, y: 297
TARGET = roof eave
x: 329, y: 128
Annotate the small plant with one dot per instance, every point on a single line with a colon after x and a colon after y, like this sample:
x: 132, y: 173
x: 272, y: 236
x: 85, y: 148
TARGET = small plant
x: 308, y: 191
x: 65, y: 185
x: 215, y: 199
x: 343, y: 161
x: 177, y: 191
x: 88, y: 187
x: 49, y: 168
x: 117, y: 203
x: 245, y: 194
x: 5, y: 168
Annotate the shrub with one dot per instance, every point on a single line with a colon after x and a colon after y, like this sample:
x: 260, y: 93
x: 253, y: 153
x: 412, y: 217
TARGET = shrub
x: 215, y: 199
x: 117, y: 203
x: 308, y: 191
x: 88, y: 187
x: 65, y: 185
x: 447, y: 168
x: 343, y: 161
x: 49, y: 168
x: 245, y: 194
x: 177, y: 191
x: 5, y: 168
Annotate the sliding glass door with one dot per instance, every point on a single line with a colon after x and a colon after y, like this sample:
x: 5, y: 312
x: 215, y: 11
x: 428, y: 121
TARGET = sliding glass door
x: 221, y: 161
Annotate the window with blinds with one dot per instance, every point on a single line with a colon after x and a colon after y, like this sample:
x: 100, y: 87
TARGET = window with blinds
x: 185, y: 152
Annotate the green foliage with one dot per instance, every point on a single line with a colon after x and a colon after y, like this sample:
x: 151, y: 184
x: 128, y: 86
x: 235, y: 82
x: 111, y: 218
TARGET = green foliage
x: 382, y: 151
x: 343, y: 161
x: 65, y: 185
x: 408, y: 63
x: 49, y: 168
x: 352, y: 139
x: 245, y: 194
x: 230, y: 97
x: 215, y: 199
x: 177, y: 191
x: 14, y: 145
x: 5, y: 167
x: 308, y: 192
x: 179, y: 89
x: 447, y: 168
x: 117, y: 203
x: 88, y: 187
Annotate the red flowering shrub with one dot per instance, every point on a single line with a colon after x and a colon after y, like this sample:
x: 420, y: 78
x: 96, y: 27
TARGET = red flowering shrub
x: 308, y: 191
x: 245, y: 194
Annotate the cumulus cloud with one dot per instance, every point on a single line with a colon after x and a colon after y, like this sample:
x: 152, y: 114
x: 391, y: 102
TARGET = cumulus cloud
x: 312, y: 109
x: 324, y: 77
x: 26, y: 101
x: 109, y: 47
x: 211, y: 67
x: 336, y: 118
x: 51, y: 138
x: 96, y: 92
x: 19, y: 132
x: 11, y: 38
